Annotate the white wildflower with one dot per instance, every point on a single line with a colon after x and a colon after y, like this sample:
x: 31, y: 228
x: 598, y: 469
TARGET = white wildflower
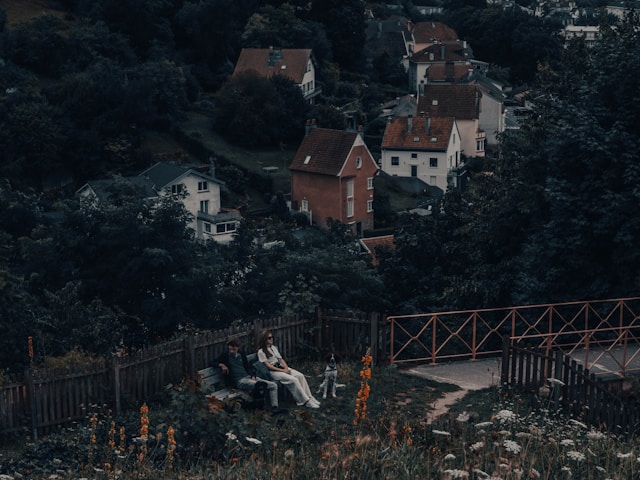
x: 231, y: 436
x: 566, y: 469
x: 463, y: 417
x: 567, y: 442
x: 523, y: 435
x: 480, y: 473
x: 5, y: 477
x: 483, y: 424
x: 253, y: 440
x: 441, y: 432
x: 504, y: 416
x: 623, y: 455
x: 512, y: 446
x: 477, y: 446
x: 533, y: 473
x: 579, y: 424
x: 595, y: 435
x: 600, y: 469
x: 449, y: 456
x: 577, y: 456
x: 555, y: 381
x: 455, y: 473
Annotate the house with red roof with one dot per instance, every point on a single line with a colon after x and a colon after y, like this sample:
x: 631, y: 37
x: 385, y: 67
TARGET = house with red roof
x: 461, y: 102
x: 424, y: 147
x: 296, y: 64
x: 332, y: 178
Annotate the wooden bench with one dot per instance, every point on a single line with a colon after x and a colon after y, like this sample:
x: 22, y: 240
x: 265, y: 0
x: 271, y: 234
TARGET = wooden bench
x: 212, y: 383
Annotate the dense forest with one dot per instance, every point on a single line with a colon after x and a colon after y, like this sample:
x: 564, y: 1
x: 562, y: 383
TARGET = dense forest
x: 551, y: 217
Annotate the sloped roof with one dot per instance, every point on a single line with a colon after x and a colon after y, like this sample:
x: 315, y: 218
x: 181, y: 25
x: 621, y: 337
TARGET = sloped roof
x: 441, y: 52
x: 397, y: 135
x: 371, y: 244
x: 427, y: 32
x: 459, y: 101
x: 142, y: 187
x: 323, y: 151
x: 266, y: 62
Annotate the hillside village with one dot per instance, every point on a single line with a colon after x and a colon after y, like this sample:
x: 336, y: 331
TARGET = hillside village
x: 414, y: 166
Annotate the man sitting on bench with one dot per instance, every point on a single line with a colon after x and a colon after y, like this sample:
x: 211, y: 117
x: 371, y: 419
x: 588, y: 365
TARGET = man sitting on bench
x: 234, y: 363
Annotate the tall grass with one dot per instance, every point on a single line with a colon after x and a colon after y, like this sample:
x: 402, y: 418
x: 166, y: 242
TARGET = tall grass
x: 487, y: 435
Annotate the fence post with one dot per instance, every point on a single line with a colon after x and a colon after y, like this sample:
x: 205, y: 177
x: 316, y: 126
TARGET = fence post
x: 504, y: 374
x: 31, y: 391
x: 373, y: 335
x: 190, y: 355
x: 116, y: 384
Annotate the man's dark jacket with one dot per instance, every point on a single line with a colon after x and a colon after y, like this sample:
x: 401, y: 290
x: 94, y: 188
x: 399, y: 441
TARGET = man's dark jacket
x: 224, y: 358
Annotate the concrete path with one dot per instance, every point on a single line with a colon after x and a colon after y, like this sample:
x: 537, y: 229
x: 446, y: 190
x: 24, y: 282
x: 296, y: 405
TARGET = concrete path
x: 467, y: 375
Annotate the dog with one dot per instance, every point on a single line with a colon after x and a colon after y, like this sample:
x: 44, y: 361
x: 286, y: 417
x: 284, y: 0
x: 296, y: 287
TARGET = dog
x: 330, y: 375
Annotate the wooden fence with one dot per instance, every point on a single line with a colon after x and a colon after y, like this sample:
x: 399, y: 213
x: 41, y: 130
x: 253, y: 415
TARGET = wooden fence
x: 570, y: 387
x: 47, y: 398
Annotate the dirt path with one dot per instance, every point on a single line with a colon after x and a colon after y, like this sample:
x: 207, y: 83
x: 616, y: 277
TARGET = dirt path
x: 442, y: 404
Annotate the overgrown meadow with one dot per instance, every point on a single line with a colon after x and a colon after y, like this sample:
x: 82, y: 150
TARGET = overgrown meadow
x: 379, y: 427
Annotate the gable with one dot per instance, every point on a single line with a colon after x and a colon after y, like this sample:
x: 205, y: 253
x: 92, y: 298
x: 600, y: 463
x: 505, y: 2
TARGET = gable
x: 266, y: 62
x: 324, y: 151
x: 459, y: 101
x: 419, y: 133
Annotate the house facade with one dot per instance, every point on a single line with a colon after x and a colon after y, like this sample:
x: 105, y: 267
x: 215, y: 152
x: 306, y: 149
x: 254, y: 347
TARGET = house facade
x: 424, y: 147
x: 332, y: 178
x: 492, y: 110
x: 297, y: 64
x: 461, y: 102
x: 198, y: 191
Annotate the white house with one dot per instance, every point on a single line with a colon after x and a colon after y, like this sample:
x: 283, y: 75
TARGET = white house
x: 199, y: 192
x: 424, y: 147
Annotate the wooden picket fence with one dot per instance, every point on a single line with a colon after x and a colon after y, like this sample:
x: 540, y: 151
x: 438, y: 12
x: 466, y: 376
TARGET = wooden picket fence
x: 570, y: 387
x: 48, y: 398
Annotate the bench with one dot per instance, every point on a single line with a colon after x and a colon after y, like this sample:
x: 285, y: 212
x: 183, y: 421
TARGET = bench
x: 212, y: 382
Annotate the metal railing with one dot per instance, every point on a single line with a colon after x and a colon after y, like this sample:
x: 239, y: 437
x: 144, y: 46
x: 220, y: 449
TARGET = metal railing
x: 592, y: 329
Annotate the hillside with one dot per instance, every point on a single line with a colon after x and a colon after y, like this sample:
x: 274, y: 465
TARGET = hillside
x: 23, y: 10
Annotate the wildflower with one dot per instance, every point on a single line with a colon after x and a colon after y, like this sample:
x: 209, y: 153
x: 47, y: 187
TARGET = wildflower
x: 253, y: 440
x: 523, y: 435
x: 567, y: 442
x: 477, y: 446
x: 567, y: 470
x: 512, y: 446
x: 449, y: 456
x: 480, y: 473
x: 579, y: 424
x: 171, y: 447
x: 595, y: 435
x: 463, y: 417
x: 363, y: 394
x: 483, y: 424
x: 504, y: 416
x: 231, y: 436
x: 555, y: 381
x: 288, y: 454
x: 455, y: 473
x: 577, y: 456
x: 623, y: 455
x: 533, y: 473
x: 441, y: 432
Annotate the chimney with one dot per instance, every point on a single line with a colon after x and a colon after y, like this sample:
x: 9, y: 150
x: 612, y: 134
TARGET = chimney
x: 361, y: 131
x: 311, y: 123
x: 427, y: 124
x: 442, y: 52
x: 409, y: 123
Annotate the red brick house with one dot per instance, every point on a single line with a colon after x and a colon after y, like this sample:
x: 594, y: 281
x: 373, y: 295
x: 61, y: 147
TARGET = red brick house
x: 332, y: 178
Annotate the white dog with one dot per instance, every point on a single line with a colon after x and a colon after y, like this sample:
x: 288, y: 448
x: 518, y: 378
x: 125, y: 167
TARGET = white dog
x: 330, y: 375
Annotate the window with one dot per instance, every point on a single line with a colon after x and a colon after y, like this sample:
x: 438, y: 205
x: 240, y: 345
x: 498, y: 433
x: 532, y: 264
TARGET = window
x: 433, y: 162
x: 370, y: 183
x: 414, y: 155
x: 395, y: 160
x: 176, y: 189
x: 350, y: 207
x: 207, y: 227
x: 350, y: 189
x: 359, y: 162
x: 226, y: 227
x: 204, y: 206
x: 203, y: 186
x: 480, y: 145
x: 454, y: 138
x: 369, y: 205
x: 304, y: 205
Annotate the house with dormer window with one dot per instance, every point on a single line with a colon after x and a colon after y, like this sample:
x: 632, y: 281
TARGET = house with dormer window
x: 424, y: 147
x: 197, y: 189
x: 332, y: 178
x: 296, y: 64
x: 461, y: 102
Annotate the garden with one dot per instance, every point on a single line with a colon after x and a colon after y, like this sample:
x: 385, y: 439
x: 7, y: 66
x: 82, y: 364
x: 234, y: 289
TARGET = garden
x: 380, y: 426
